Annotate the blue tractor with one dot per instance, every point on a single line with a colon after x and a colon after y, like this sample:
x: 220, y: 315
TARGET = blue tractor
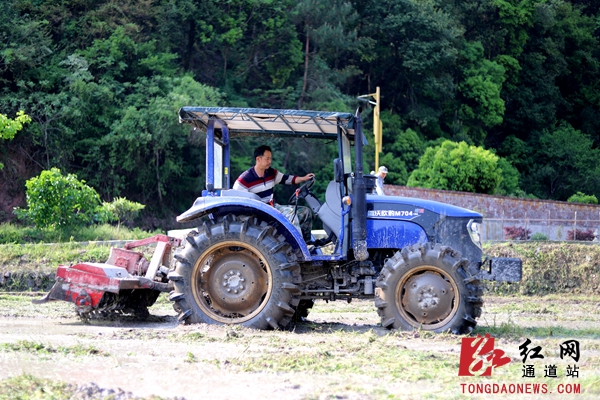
x: 420, y: 261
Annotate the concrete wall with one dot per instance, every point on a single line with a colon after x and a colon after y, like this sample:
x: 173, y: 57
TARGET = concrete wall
x: 552, y: 218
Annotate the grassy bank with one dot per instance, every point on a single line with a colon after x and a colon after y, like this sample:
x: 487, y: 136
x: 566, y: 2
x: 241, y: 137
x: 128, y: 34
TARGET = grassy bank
x: 551, y: 267
x: 29, y: 256
x: 18, y: 234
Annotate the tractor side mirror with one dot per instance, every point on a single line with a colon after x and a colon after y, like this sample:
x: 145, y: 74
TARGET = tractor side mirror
x: 338, y: 170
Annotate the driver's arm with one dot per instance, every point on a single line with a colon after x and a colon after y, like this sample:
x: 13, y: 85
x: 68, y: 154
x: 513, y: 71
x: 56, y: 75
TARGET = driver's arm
x: 285, y: 179
x: 292, y: 179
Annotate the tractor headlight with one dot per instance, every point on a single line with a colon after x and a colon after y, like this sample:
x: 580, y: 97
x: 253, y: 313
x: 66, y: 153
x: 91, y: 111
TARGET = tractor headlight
x: 474, y: 229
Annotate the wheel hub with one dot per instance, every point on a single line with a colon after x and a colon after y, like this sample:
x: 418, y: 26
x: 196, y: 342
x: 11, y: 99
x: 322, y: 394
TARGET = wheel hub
x: 235, y: 282
x: 428, y: 297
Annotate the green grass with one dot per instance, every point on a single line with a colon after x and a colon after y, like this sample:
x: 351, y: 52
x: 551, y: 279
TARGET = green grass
x: 37, y: 348
x: 46, y: 257
x: 511, y: 330
x: 28, y: 387
x: 17, y: 234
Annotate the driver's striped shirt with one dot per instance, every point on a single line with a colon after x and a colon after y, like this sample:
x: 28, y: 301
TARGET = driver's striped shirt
x: 249, y: 181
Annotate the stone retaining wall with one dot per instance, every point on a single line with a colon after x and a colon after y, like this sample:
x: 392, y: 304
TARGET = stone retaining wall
x: 26, y: 281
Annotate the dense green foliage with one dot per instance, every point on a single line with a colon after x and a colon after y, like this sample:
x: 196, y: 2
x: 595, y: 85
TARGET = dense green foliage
x: 457, y: 166
x: 9, y: 127
x: 102, y: 81
x: 123, y: 210
x: 57, y: 201
x: 61, y: 202
x: 583, y: 198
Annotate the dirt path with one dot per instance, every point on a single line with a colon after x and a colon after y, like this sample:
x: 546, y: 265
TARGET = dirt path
x: 339, y: 353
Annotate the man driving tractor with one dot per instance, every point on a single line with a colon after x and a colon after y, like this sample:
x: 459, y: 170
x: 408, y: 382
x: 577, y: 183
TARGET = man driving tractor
x: 260, y: 180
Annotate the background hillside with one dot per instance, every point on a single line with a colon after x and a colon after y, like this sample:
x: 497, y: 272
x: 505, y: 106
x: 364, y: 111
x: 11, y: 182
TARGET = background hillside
x: 103, y: 79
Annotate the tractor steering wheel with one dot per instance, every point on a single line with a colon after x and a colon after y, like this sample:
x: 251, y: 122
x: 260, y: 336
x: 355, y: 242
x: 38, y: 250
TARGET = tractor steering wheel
x: 302, y: 191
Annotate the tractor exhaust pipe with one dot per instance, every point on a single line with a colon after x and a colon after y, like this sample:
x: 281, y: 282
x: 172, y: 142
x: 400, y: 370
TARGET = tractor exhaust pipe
x: 359, y: 207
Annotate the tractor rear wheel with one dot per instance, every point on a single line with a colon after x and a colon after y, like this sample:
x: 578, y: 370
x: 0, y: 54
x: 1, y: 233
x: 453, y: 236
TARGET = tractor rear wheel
x: 235, y: 271
x: 428, y: 287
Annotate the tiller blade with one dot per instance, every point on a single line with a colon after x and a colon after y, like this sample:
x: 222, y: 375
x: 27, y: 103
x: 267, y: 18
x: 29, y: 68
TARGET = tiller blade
x: 127, y: 282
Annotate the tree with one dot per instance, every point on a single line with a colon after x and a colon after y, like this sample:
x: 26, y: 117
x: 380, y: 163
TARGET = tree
x: 412, y: 49
x: 481, y: 106
x: 58, y: 201
x: 326, y: 27
x: 402, y: 149
x: 457, y: 166
x: 510, y: 183
x: 147, y: 143
x: 9, y: 127
x: 566, y: 162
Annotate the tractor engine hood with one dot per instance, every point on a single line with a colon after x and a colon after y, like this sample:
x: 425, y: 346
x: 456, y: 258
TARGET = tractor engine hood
x: 407, y: 208
x: 442, y: 222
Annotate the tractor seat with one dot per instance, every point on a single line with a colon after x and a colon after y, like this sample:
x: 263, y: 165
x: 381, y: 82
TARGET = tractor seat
x: 330, y: 213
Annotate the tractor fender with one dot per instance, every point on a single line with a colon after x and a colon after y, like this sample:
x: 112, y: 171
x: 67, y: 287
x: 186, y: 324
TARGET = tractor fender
x: 217, y: 205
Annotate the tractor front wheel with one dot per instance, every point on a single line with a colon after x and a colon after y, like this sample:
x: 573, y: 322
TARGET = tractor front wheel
x: 428, y: 287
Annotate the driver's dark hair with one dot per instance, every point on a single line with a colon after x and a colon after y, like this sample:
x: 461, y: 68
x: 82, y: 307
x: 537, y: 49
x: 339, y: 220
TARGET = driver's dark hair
x: 260, y: 150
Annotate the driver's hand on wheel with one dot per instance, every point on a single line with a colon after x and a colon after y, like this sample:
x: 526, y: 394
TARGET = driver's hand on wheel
x: 305, y: 178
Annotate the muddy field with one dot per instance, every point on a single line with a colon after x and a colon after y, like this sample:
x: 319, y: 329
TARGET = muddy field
x: 339, y: 353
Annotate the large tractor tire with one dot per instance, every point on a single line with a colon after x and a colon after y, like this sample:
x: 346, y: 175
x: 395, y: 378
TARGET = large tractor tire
x: 428, y: 287
x: 235, y: 271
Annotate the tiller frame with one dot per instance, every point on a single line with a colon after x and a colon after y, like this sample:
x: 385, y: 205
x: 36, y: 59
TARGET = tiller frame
x: 124, y: 275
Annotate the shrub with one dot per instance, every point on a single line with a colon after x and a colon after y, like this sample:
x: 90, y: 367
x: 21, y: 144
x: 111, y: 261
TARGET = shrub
x: 539, y: 236
x: 580, y: 234
x: 583, y: 198
x: 123, y: 210
x: 457, y: 166
x: 516, y: 233
x: 58, y: 201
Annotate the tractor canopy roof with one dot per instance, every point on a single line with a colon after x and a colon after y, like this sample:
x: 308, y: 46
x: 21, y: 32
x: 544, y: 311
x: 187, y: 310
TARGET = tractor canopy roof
x: 270, y: 122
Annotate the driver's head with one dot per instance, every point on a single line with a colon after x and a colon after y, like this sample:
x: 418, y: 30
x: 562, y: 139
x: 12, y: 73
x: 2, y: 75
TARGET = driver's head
x: 263, y: 157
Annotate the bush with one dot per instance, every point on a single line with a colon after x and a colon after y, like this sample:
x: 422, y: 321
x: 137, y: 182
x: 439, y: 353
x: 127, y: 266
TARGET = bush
x: 539, y: 236
x: 58, y: 201
x: 123, y: 210
x: 580, y: 234
x: 457, y: 166
x: 516, y: 233
x: 583, y: 198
